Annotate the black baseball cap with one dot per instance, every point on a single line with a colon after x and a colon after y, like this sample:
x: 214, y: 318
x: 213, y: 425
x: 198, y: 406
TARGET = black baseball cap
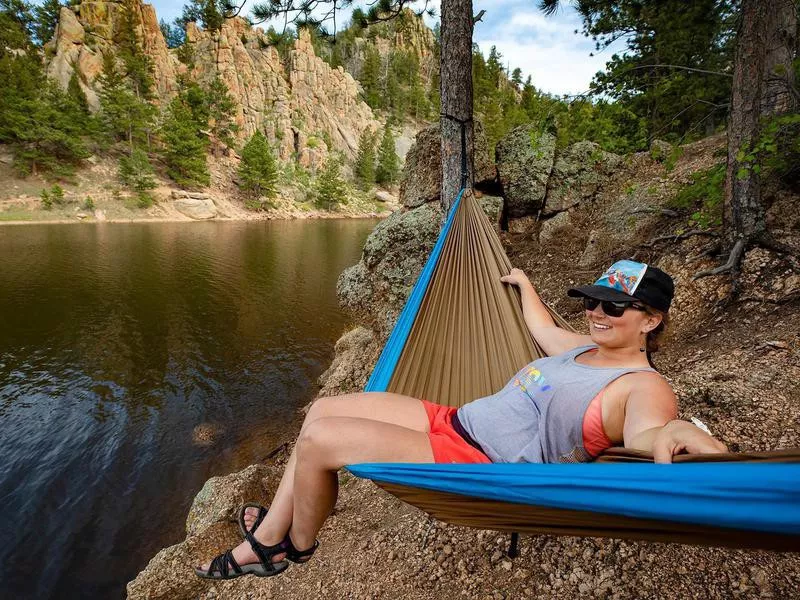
x: 628, y: 280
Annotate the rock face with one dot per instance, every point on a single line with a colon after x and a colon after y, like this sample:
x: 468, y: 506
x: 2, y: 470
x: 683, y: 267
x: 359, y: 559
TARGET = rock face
x: 422, y: 176
x: 578, y: 173
x: 524, y: 162
x: 88, y: 29
x: 197, y: 206
x: 393, y: 256
x: 302, y: 104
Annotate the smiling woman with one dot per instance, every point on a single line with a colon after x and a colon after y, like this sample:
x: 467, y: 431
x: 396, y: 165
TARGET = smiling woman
x: 591, y: 392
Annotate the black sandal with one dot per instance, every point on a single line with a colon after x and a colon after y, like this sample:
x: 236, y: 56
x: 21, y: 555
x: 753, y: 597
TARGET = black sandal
x: 262, y: 512
x: 220, y: 567
x: 292, y: 553
x: 295, y: 555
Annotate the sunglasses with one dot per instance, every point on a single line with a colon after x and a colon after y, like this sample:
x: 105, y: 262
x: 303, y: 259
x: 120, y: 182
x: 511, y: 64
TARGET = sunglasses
x: 611, y: 308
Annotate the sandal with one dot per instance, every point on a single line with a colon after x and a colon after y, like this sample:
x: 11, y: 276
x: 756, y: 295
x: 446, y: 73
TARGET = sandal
x: 262, y: 512
x: 295, y: 555
x: 220, y: 567
x: 292, y: 553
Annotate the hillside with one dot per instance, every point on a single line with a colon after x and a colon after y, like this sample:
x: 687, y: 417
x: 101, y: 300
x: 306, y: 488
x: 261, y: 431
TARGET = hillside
x: 733, y: 365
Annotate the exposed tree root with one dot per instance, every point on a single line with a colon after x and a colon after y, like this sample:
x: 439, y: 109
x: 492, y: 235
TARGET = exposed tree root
x: 667, y: 212
x: 731, y: 265
x: 678, y: 237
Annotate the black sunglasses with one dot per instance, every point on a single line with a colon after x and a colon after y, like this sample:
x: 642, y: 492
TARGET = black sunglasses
x: 611, y: 307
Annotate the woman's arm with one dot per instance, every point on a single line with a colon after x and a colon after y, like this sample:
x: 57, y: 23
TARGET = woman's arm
x: 552, y: 338
x: 651, y: 424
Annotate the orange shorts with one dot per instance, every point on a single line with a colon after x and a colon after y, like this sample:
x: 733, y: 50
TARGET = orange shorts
x: 447, y: 445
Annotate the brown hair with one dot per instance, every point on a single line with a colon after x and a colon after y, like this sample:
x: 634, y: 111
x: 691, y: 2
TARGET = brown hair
x: 654, y: 336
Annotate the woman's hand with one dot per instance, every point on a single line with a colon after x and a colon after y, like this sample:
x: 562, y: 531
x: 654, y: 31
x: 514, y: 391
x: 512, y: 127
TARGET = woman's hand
x: 517, y: 277
x: 678, y: 436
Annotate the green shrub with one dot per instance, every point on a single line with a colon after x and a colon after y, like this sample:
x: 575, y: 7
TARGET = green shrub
x: 258, y: 170
x: 703, y: 197
x: 330, y: 189
x: 57, y: 194
x: 47, y: 201
x: 88, y: 204
x: 136, y: 172
x: 145, y: 200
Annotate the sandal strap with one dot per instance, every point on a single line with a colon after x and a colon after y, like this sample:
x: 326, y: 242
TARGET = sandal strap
x: 265, y: 553
x: 222, y: 564
x: 262, y: 512
x: 294, y: 554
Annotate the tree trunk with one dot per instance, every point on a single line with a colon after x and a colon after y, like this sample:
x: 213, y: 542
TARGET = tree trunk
x: 743, y: 216
x: 781, y: 41
x: 456, y: 94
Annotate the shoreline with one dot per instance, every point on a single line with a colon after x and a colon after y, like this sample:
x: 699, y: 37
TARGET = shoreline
x: 174, y: 219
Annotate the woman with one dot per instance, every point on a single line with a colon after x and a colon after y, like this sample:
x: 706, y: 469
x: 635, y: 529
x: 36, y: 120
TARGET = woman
x: 595, y: 391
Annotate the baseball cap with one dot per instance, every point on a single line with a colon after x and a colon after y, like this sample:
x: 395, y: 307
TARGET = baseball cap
x: 628, y: 280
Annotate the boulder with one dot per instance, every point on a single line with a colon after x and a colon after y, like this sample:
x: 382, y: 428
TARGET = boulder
x: 660, y: 150
x: 376, y: 288
x: 550, y: 227
x: 220, y: 498
x: 524, y: 162
x: 493, y: 207
x: 356, y: 352
x: 422, y: 176
x: 196, y: 208
x: 384, y: 196
x: 579, y: 172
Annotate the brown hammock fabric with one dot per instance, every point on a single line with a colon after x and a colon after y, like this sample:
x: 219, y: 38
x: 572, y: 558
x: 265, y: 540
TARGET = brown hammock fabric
x: 468, y: 339
x: 469, y: 336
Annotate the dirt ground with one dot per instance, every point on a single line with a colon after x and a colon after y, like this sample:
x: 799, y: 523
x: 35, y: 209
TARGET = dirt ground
x: 735, y: 366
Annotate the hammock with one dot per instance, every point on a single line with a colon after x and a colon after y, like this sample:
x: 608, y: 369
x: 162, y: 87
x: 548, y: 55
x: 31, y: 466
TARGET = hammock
x: 461, y: 336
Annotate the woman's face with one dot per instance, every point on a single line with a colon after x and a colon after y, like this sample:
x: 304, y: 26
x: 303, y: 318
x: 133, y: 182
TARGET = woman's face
x: 618, y: 332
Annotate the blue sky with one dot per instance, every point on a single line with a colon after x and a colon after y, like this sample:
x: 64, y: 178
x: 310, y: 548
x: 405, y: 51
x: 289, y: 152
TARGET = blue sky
x: 544, y: 47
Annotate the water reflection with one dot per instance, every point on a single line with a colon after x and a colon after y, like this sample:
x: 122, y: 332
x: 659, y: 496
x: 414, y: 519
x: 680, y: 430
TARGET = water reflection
x: 136, y: 361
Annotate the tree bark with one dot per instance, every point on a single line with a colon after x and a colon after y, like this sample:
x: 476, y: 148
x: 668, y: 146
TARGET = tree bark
x: 743, y: 216
x: 456, y: 94
x: 781, y: 41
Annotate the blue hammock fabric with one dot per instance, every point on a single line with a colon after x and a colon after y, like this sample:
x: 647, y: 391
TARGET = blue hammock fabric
x: 755, y: 497
x: 763, y: 498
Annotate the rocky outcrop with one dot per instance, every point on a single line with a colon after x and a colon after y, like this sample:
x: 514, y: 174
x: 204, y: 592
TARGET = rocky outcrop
x: 524, y: 162
x: 393, y: 256
x: 88, y: 29
x: 578, y: 174
x: 422, y: 176
x: 408, y: 33
x: 196, y: 206
x: 302, y: 104
x: 209, y: 527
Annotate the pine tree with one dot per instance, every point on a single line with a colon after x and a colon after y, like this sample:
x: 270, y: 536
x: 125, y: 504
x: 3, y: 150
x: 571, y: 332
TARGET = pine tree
x: 258, y: 170
x: 47, y: 19
x: 136, y: 172
x: 184, y: 147
x: 123, y: 115
x: 388, y: 167
x: 330, y: 188
x: 365, y: 160
x: 370, y: 77
x: 221, y: 112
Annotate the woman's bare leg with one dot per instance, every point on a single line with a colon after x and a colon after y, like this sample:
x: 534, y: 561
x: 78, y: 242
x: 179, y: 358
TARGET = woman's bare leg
x: 333, y: 442
x: 384, y: 407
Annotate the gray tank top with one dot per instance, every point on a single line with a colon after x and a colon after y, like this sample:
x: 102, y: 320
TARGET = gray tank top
x: 538, y: 416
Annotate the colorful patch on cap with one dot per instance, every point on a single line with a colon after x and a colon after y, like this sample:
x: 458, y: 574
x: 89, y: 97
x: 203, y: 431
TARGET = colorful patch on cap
x: 623, y: 275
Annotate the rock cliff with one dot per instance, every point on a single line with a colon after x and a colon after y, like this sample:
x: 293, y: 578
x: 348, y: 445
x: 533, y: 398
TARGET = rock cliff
x: 293, y: 101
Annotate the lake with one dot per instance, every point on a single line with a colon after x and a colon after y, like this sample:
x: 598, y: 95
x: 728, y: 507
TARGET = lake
x: 136, y: 361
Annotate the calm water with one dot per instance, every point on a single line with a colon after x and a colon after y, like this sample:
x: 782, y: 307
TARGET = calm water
x: 116, y: 342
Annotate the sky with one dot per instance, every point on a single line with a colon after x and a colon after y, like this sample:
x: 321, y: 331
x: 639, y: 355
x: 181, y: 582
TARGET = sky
x: 546, y: 48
